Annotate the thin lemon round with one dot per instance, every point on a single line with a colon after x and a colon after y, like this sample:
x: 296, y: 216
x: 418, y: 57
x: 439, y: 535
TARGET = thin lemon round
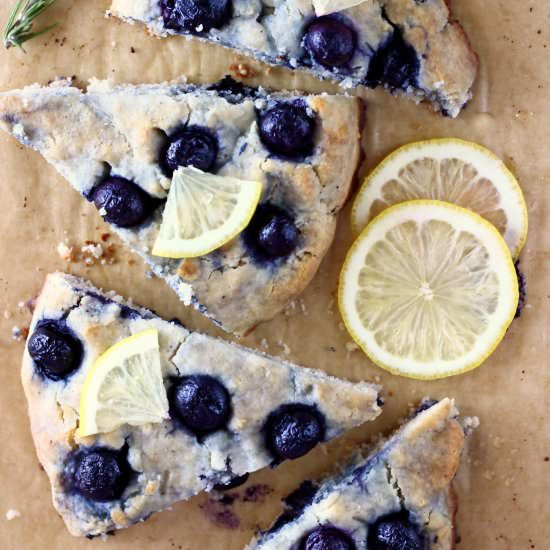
x: 428, y: 289
x: 451, y: 170
x: 124, y: 386
x: 203, y: 212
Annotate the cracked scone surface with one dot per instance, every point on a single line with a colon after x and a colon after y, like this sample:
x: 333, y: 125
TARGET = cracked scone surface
x: 407, y: 45
x: 409, y: 475
x: 120, y: 131
x: 168, y: 462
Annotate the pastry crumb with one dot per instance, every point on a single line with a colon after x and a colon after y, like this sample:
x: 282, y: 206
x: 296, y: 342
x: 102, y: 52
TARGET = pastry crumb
x: 19, y: 333
x: 264, y: 343
x: 351, y: 347
x: 66, y: 252
x: 242, y: 70
x: 12, y: 514
x: 284, y: 346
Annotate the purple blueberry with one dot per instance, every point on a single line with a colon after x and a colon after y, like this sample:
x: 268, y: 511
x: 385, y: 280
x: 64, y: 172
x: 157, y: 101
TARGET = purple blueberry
x: 192, y: 146
x: 330, y: 42
x: 233, y: 483
x: 197, y: 16
x: 287, y: 129
x: 121, y: 202
x: 101, y: 474
x: 394, y: 64
x: 395, y: 532
x: 56, y: 352
x: 293, y: 430
x: 327, y: 538
x: 202, y: 403
x: 271, y: 234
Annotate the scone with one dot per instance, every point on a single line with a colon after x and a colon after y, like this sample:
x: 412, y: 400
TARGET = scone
x: 119, y: 145
x: 400, y: 497
x: 271, y: 411
x: 411, y: 46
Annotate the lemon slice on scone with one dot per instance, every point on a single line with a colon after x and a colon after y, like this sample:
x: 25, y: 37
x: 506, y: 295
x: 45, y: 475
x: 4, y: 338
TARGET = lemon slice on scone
x: 451, y: 170
x: 124, y: 386
x: 428, y: 289
x: 203, y: 212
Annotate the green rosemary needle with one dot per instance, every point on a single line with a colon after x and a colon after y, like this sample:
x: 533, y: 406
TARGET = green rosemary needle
x: 19, y: 27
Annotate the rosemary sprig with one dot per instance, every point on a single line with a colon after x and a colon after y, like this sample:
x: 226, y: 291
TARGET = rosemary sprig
x: 18, y: 29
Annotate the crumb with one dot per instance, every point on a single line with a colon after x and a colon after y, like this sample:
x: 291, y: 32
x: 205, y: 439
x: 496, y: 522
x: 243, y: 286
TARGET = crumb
x: 102, y: 212
x: 12, y: 514
x: 105, y: 236
x: 242, y: 70
x: 19, y: 334
x: 66, y: 252
x: 149, y: 274
x: 286, y: 349
x: 351, y: 347
x: 264, y: 344
x: 341, y: 326
x: 7, y: 314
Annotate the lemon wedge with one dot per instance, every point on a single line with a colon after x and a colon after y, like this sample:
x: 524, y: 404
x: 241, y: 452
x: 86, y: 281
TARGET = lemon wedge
x: 451, y: 170
x: 124, y: 386
x: 324, y: 7
x: 203, y: 212
x: 428, y: 289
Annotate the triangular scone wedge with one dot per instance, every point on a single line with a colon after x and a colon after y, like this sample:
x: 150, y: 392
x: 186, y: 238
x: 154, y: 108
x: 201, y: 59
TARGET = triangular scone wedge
x: 122, y: 132
x: 410, y: 46
x: 402, y: 492
x: 165, y: 462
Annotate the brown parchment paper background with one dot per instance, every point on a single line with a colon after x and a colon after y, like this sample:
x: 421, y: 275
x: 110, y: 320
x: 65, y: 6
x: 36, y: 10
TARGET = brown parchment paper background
x: 503, y: 485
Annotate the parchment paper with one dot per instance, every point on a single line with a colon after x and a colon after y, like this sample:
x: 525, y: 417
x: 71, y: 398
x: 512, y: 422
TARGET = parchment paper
x: 503, y: 487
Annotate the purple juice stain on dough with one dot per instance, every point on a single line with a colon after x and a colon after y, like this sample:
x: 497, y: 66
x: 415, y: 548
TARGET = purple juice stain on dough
x: 522, y: 284
x: 220, y: 513
x: 256, y: 493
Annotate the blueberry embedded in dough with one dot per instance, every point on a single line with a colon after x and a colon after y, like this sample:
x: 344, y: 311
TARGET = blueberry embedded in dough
x: 100, y: 474
x: 395, y: 64
x: 201, y: 403
x: 191, y: 146
x: 293, y: 430
x: 327, y: 537
x: 233, y: 483
x: 287, y: 129
x: 55, y: 350
x: 198, y: 16
x: 330, y: 41
x: 271, y: 234
x: 395, y: 532
x: 122, y: 202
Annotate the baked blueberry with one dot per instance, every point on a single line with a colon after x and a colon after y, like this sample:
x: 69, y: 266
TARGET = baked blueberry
x: 55, y: 351
x: 330, y: 42
x: 195, y: 15
x: 271, y: 234
x: 394, y: 64
x: 101, y: 474
x: 202, y: 403
x: 192, y: 146
x: 121, y: 202
x: 235, y: 482
x: 287, y: 129
x: 327, y: 538
x: 394, y: 532
x: 293, y: 430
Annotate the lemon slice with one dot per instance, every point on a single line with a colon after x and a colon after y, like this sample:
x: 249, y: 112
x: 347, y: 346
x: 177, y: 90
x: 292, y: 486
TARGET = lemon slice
x: 324, y: 7
x: 451, y: 170
x: 203, y: 212
x: 428, y: 289
x: 124, y: 386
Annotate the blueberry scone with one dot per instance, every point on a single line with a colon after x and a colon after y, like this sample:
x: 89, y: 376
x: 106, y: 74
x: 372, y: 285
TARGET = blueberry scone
x: 229, y: 410
x: 400, y: 497
x: 411, y: 46
x: 120, y: 145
